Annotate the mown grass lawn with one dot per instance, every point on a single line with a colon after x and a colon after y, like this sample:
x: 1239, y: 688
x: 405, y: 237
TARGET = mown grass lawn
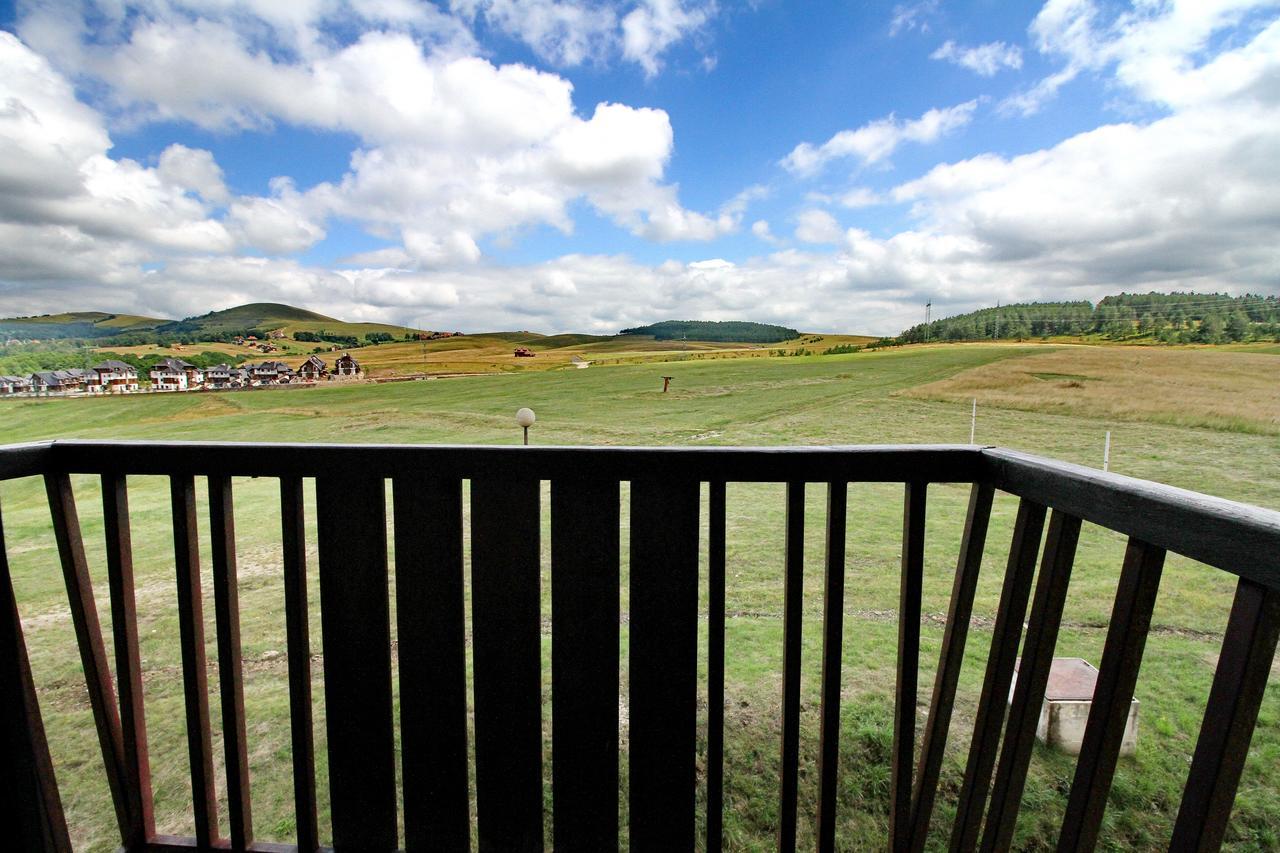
x: 766, y: 401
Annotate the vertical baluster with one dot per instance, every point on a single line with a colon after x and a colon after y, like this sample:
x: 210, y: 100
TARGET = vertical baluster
x: 1005, y: 635
x: 1033, y: 675
x: 832, y: 646
x: 507, y: 661
x: 124, y: 625
x: 195, y: 686
x: 298, y: 643
x: 431, y: 617
x: 950, y: 661
x: 356, y: 625
x: 910, y: 592
x: 715, y: 663
x: 663, y: 664
x: 30, y: 808
x: 226, y: 604
x: 1104, y: 732
x: 93, y: 654
x: 793, y: 599
x: 584, y: 662
x: 1244, y: 664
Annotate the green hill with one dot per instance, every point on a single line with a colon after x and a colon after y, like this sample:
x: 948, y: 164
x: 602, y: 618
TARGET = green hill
x: 726, y: 331
x: 255, y: 315
x: 77, y: 324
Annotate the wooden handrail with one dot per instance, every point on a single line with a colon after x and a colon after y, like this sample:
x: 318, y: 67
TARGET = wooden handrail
x: 666, y: 506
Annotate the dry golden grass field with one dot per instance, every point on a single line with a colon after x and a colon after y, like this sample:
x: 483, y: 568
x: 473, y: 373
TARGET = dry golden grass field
x: 1231, y: 390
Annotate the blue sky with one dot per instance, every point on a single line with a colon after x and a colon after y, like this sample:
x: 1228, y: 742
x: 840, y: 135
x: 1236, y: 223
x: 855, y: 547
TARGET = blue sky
x: 572, y: 165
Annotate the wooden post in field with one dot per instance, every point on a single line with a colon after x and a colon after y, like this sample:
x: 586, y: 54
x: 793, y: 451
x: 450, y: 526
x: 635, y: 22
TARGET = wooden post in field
x: 666, y: 383
x: 1106, y: 453
x: 973, y: 421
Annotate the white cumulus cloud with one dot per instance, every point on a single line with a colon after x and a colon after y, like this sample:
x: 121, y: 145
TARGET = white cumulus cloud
x: 877, y: 140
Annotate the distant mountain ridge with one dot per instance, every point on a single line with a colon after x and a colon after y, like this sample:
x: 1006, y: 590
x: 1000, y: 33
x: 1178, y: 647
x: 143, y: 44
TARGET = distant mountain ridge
x: 78, y: 324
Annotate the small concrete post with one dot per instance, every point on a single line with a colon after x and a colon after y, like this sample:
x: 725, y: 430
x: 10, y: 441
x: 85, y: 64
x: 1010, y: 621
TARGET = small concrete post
x: 525, y: 418
x: 1106, y: 453
x: 973, y: 421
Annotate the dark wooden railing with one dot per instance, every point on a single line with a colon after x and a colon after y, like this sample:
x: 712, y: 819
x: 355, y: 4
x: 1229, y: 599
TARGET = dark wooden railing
x: 665, y: 506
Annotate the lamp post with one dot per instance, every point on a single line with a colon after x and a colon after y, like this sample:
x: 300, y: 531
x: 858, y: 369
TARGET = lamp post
x: 525, y: 418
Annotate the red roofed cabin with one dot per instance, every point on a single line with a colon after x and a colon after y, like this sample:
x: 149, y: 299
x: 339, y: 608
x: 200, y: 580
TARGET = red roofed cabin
x: 524, y: 352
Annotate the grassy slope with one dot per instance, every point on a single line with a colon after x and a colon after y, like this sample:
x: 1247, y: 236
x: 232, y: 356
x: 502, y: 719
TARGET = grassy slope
x: 833, y: 399
x: 120, y: 322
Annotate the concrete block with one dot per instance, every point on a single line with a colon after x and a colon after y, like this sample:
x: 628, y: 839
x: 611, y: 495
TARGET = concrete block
x: 1067, y: 701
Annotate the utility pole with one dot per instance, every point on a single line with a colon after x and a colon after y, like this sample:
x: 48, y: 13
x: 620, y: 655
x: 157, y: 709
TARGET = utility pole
x: 997, y: 320
x: 927, y: 307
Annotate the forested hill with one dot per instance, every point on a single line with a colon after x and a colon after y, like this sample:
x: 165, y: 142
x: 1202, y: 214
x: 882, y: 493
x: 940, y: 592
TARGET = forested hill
x: 731, y: 331
x: 1168, y: 317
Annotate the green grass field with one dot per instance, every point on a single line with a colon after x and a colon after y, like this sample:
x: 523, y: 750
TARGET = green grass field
x: 859, y: 398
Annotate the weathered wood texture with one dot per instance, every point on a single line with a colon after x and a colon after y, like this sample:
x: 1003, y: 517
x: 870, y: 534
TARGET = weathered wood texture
x: 430, y: 619
x: 585, y: 639
x: 195, y: 683
x: 1239, y: 682
x: 1033, y: 675
x: 507, y: 657
x: 356, y: 624
x: 910, y: 592
x: 832, y: 645
x: 226, y: 603
x: 124, y: 626
x: 950, y: 661
x: 585, y: 662
x: 298, y: 645
x: 1104, y: 731
x: 663, y: 663
x: 793, y: 609
x: 30, y: 808
x: 716, y: 493
x: 1005, y: 637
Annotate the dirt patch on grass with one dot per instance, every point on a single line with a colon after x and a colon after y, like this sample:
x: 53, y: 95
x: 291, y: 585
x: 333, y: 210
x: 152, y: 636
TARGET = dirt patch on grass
x: 1234, y: 391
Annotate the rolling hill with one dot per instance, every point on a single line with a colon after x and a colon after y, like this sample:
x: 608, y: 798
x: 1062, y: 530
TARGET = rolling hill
x: 78, y: 324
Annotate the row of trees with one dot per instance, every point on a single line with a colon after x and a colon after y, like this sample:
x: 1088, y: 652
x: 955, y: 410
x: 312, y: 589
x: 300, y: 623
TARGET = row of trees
x: 735, y: 331
x: 1168, y: 317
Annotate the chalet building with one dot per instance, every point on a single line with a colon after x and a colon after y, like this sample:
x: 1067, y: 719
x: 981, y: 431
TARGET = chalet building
x: 523, y: 352
x: 219, y: 376
x: 116, y: 377
x: 270, y: 373
x: 89, y: 381
x: 313, y: 369
x: 56, y: 382
x: 15, y: 384
x: 174, y: 374
x: 346, y: 366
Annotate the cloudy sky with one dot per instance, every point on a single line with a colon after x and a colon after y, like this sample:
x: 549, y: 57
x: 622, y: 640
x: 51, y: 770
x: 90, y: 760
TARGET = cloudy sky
x: 592, y: 164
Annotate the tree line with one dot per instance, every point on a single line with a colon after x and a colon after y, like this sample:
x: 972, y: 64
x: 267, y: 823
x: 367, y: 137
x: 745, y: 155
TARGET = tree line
x: 1166, y: 317
x: 726, y: 331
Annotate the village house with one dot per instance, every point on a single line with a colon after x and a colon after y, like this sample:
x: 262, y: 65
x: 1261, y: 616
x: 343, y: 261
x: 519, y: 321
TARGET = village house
x: 89, y: 381
x: 173, y: 374
x: 313, y: 369
x: 15, y: 384
x: 116, y: 377
x: 270, y: 373
x: 346, y: 365
x: 56, y: 381
x: 218, y: 376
